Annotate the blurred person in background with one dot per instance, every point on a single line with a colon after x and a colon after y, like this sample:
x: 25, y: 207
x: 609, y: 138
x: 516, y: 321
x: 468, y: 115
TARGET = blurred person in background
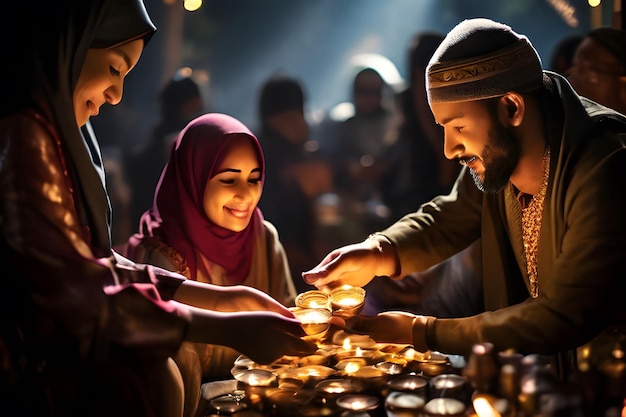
x: 599, y: 68
x: 298, y: 174
x: 562, y: 55
x: 422, y: 172
x: 364, y: 152
x: 180, y: 100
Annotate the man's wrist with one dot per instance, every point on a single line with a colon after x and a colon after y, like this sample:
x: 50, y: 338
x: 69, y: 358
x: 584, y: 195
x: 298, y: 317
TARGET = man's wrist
x: 388, y: 254
x: 421, y: 329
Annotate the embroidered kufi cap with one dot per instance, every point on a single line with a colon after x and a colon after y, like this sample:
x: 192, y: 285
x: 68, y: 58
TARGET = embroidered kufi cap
x: 479, y: 59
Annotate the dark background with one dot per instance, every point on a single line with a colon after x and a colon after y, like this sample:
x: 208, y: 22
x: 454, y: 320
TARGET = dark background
x: 234, y: 45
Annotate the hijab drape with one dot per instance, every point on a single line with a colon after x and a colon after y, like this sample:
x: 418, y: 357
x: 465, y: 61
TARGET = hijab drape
x: 49, y: 56
x: 178, y: 207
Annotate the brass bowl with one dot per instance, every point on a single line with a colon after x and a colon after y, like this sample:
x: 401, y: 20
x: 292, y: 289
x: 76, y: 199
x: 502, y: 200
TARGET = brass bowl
x: 347, y: 301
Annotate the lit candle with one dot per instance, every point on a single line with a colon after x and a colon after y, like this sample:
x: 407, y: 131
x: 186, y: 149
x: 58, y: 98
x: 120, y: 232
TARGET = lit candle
x: 357, y: 402
x: 449, y: 385
x: 255, y: 377
x: 390, y: 367
x: 413, y: 383
x: 347, y: 301
x: 227, y: 405
x: 285, y: 402
x: 371, y: 356
x: 404, y: 404
x: 314, y: 321
x: 337, y: 387
x: 487, y: 406
x: 313, y: 299
x: 367, y: 372
x: 350, y: 365
x: 450, y: 407
x: 312, y: 374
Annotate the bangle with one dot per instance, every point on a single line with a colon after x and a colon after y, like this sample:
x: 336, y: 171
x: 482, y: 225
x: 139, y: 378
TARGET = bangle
x: 421, y: 344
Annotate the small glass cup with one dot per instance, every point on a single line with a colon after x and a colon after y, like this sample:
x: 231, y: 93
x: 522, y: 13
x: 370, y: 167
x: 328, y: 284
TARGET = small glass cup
x: 347, y: 301
x: 313, y: 299
x: 314, y: 321
x: 404, y: 404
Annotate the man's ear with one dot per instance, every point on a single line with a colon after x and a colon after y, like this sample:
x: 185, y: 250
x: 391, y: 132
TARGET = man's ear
x: 512, y: 107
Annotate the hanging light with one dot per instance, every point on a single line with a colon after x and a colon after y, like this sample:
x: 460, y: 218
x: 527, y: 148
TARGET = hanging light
x: 192, y: 5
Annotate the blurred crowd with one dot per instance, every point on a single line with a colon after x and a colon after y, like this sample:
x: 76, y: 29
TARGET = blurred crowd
x: 357, y: 169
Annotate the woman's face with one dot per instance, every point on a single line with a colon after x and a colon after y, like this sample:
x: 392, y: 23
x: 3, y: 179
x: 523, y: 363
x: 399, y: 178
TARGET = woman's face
x: 101, y: 79
x: 231, y: 196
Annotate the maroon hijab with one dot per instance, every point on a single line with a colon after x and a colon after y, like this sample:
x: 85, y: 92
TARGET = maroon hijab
x: 178, y: 201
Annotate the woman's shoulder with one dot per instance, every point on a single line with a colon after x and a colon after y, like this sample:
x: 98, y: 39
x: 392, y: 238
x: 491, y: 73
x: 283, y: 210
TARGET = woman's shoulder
x: 25, y: 125
x: 154, y: 251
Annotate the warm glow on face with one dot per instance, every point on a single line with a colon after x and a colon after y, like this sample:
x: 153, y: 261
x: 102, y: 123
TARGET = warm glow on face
x: 231, y: 196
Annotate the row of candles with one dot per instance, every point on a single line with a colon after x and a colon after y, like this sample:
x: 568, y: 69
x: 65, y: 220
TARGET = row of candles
x: 354, y: 376
x: 355, y: 381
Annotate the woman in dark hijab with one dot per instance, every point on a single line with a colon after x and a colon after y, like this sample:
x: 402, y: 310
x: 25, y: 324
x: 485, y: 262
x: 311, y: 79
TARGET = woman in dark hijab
x: 82, y: 330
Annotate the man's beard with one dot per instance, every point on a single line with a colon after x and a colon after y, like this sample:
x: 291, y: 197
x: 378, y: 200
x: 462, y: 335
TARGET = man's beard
x: 500, y: 157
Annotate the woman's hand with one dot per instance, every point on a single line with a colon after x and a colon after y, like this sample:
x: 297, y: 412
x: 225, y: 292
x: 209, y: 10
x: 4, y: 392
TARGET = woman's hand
x: 354, y: 265
x: 228, y: 299
x: 262, y: 336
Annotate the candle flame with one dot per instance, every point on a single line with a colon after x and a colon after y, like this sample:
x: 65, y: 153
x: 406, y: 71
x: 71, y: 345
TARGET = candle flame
x: 346, y: 344
x: 352, y: 367
x: 358, y: 351
x: 484, y: 409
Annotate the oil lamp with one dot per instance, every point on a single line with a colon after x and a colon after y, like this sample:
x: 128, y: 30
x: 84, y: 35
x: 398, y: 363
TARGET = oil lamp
x: 314, y: 321
x: 404, y: 404
x: 347, y: 301
x: 313, y: 299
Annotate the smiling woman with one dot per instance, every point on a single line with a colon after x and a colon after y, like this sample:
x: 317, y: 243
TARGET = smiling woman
x: 84, y: 331
x: 102, y: 78
x: 205, y: 223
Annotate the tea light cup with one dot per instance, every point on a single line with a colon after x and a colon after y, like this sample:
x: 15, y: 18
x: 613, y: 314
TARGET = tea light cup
x: 314, y: 321
x: 333, y: 388
x: 448, y: 385
x: 313, y: 299
x: 370, y: 356
x: 450, y: 407
x: 357, y: 402
x: 404, y: 404
x: 286, y: 402
x: 255, y: 377
x: 390, y: 367
x: 227, y: 405
x: 313, y: 374
x: 415, y: 384
x: 347, y: 301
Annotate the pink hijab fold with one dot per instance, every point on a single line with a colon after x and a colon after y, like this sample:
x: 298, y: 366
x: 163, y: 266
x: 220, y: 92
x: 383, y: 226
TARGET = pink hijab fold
x: 178, y: 209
